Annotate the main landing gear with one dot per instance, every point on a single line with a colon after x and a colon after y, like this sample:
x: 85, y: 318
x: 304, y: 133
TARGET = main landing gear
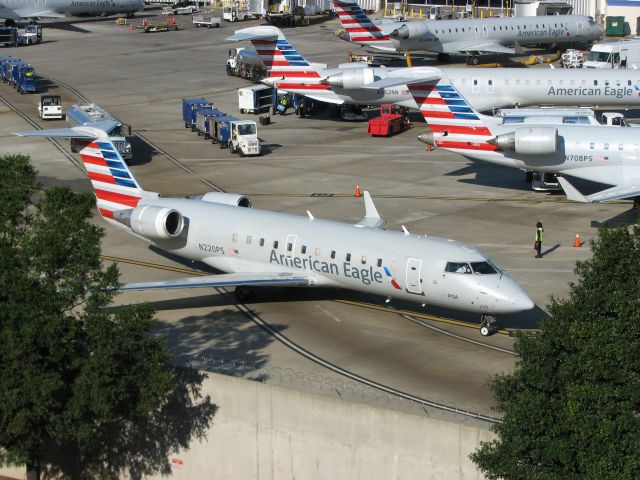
x: 487, y: 325
x: 472, y: 60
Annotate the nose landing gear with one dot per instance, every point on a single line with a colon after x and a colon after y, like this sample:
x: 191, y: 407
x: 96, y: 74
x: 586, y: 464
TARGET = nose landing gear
x: 487, y: 325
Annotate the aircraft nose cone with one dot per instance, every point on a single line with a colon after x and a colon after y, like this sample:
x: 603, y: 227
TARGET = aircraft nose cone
x: 518, y: 299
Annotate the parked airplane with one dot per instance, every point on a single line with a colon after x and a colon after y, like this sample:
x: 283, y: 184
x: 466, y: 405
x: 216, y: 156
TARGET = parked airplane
x: 257, y: 247
x: 13, y: 10
x: 603, y: 154
x: 472, y: 37
x: 485, y: 88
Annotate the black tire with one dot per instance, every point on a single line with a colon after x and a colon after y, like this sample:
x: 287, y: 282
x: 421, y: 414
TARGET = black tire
x: 232, y: 149
x: 485, y: 331
x: 240, y: 152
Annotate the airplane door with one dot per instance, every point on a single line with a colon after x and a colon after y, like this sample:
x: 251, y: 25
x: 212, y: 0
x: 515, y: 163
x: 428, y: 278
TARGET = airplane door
x: 290, y: 245
x: 414, y: 281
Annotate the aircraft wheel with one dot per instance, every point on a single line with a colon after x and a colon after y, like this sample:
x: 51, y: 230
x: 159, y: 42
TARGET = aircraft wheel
x: 473, y: 60
x: 487, y: 327
x: 485, y: 331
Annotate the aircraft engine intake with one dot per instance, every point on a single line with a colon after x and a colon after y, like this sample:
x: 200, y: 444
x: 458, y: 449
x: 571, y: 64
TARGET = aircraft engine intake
x: 351, y: 78
x: 410, y: 30
x: 154, y: 222
x: 232, y: 199
x: 529, y: 141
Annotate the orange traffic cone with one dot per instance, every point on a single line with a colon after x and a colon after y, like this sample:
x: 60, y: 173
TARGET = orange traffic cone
x: 357, y: 192
x: 577, y: 242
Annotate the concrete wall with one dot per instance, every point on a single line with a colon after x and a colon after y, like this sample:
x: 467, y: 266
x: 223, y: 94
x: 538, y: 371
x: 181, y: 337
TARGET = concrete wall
x: 267, y: 432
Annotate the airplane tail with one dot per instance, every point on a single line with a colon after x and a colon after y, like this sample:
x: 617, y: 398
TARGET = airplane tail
x: 112, y: 181
x: 454, y: 124
x: 284, y: 64
x: 358, y: 26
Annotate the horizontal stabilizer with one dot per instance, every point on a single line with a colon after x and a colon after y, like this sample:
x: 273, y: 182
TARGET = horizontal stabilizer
x: 224, y: 280
x: 371, y: 218
x: 82, y: 132
x: 396, y: 81
x: 614, y: 193
x: 264, y: 32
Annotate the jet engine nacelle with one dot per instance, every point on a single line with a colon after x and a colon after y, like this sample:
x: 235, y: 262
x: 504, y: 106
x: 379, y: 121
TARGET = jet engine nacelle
x: 155, y: 222
x: 226, y: 199
x: 529, y: 141
x: 351, y: 78
x: 410, y: 31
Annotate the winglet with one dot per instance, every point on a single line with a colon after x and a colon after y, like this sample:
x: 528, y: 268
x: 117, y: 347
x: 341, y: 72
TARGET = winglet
x: 371, y: 218
x: 572, y: 192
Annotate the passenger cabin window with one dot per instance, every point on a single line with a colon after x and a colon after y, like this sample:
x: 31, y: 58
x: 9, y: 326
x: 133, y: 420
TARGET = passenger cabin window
x: 289, y: 247
x: 303, y: 250
x: 262, y: 242
x: 275, y: 245
x: 348, y: 257
x: 235, y: 237
x: 363, y: 260
x: 592, y: 145
x: 333, y: 254
x: 606, y: 146
x: 620, y: 147
x: 248, y: 239
x: 379, y: 262
x: 454, y: 267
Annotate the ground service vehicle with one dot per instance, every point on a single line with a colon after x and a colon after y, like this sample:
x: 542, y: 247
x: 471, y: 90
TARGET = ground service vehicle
x: 255, y: 99
x: 32, y: 34
x: 622, y: 54
x: 10, y: 37
x: 92, y: 115
x: 245, y: 62
x: 204, y: 122
x: 205, y: 21
x: 180, y: 9
x: 189, y: 108
x: 233, y: 13
x: 50, y: 107
x: 5, y: 67
x: 240, y: 136
x: 25, y: 81
x: 393, y: 119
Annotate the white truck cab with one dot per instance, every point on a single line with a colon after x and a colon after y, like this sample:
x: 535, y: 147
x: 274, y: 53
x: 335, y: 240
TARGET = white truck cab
x: 244, y: 138
x: 50, y: 107
x: 622, y: 54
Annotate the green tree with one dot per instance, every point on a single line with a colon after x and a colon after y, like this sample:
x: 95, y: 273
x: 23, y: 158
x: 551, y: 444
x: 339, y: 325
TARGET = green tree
x: 82, y: 387
x: 572, y: 406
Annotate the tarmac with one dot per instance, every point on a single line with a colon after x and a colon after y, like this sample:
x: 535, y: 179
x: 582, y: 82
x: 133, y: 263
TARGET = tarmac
x: 309, y: 164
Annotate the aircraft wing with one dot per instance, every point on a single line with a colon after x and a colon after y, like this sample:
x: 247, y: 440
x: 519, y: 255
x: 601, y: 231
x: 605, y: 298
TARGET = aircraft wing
x: 371, y: 218
x: 478, y: 46
x: 614, y: 193
x: 406, y: 80
x: 320, y: 98
x: 73, y: 132
x: 224, y: 280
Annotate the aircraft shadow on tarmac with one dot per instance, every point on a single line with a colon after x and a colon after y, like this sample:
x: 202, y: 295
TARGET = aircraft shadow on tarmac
x: 45, y: 85
x: 524, y: 320
x: 491, y: 176
x: 72, y: 24
x: 142, y: 151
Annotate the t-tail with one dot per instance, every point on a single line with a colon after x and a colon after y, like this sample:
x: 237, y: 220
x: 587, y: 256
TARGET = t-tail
x: 286, y: 67
x: 454, y: 124
x: 359, y: 28
x: 113, y: 183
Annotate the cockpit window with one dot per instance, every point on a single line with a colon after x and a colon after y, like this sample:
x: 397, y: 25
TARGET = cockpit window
x: 455, y: 267
x: 483, y: 268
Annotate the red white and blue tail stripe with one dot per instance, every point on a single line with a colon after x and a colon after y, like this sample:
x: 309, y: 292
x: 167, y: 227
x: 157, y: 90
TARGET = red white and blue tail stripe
x: 358, y: 25
x: 112, y: 181
x: 282, y: 61
x: 454, y: 123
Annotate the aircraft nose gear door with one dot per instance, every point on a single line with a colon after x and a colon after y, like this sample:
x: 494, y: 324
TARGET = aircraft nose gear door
x: 414, y: 281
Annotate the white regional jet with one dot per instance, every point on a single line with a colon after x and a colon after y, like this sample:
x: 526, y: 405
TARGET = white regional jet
x: 13, y: 10
x: 603, y: 154
x: 503, y: 35
x: 257, y: 247
x: 484, y: 88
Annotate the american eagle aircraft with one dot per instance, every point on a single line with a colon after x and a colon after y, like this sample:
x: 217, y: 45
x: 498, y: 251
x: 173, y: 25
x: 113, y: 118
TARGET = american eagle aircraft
x: 13, y: 10
x: 484, y: 88
x: 605, y: 154
x: 472, y: 37
x: 257, y: 247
